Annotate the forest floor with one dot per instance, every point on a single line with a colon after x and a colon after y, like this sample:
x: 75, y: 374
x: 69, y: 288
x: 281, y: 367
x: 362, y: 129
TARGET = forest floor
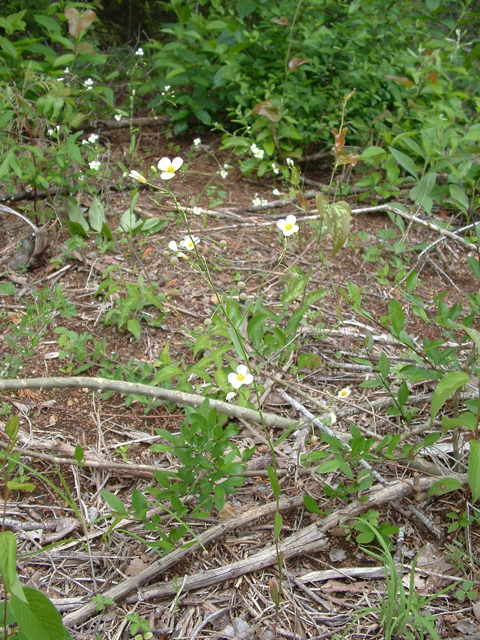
x: 328, y: 580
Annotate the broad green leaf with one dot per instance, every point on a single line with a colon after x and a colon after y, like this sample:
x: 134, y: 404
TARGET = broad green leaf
x: 475, y: 336
x: 337, y: 217
x: 384, y: 365
x: 75, y: 214
x: 11, y: 428
x: 75, y: 229
x: 49, y: 23
x: 370, y: 152
x: 16, y: 485
x: 444, y: 486
x: 64, y: 60
x: 458, y: 194
x: 96, y: 215
x: 37, y: 618
x: 134, y: 327
x: 474, y: 470
x: 8, y: 568
x: 446, y: 388
x: 8, y: 47
x: 311, y: 504
x: 404, y: 161
x: 277, y: 525
x: 79, y: 453
x: 397, y: 316
x: 113, y: 502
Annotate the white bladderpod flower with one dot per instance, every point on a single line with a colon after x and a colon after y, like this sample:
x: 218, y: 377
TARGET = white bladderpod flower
x: 168, y: 168
x: 242, y: 376
x: 189, y: 242
x: 288, y: 226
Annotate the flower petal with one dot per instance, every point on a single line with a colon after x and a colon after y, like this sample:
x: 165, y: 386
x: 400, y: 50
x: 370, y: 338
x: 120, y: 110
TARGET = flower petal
x: 248, y: 379
x: 177, y: 163
x: 291, y: 219
x: 167, y: 176
x: 173, y: 246
x: 163, y: 164
x: 242, y: 370
x: 281, y: 224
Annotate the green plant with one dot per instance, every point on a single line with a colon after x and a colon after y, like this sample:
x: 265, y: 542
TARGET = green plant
x: 101, y: 602
x: 139, y: 629
x: 401, y: 612
x: 27, y: 611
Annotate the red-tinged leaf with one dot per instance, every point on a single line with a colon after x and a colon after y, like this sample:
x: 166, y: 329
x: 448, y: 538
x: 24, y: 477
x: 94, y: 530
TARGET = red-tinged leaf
x: 302, y: 202
x: 78, y: 22
x: 282, y: 21
x: 84, y: 47
x: 347, y: 158
x: 147, y: 252
x: 266, y: 109
x: 339, y: 139
x: 296, y: 62
x: 401, y: 80
x: 433, y: 77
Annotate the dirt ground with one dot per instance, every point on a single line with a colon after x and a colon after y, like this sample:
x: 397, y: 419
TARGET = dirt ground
x: 328, y: 581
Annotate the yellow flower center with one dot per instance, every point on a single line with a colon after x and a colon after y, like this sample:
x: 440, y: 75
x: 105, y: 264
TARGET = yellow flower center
x: 240, y: 377
x: 288, y: 226
x: 170, y: 169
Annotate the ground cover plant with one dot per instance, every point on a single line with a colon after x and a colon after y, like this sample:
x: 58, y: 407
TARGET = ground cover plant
x: 239, y: 312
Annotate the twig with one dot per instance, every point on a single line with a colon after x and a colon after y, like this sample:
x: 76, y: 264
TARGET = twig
x: 170, y: 395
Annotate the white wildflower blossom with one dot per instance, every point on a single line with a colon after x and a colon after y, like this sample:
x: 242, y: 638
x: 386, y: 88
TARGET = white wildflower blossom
x: 88, y: 83
x: 344, y: 393
x: 288, y: 226
x: 117, y: 117
x: 189, y: 242
x: 168, y: 168
x: 197, y: 142
x: 257, y: 201
x: 258, y: 153
x: 95, y: 165
x: 197, y: 211
x: 275, y: 168
x: 174, y: 247
x: 242, y: 376
x: 276, y: 192
x: 223, y: 173
x: 333, y: 418
x: 84, y: 141
x: 167, y: 87
x: 264, y: 202
x: 290, y: 162
x: 92, y: 138
x: 50, y: 132
x: 230, y: 396
x: 139, y: 51
x: 137, y: 176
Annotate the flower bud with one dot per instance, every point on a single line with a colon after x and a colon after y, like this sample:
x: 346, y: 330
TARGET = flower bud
x: 241, y: 285
x: 173, y: 261
x: 243, y: 296
x: 207, y: 322
x: 166, y: 254
x: 223, y: 243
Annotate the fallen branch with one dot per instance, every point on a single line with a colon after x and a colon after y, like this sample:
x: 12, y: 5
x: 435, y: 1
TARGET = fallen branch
x: 175, y: 557
x: 169, y: 395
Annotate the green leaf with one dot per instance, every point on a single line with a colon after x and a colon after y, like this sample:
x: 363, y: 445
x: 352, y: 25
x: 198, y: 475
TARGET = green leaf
x: 134, y: 327
x: 404, y: 161
x: 37, y: 618
x: 444, y: 486
x: 79, y: 453
x: 277, y: 525
x: 274, y: 482
x: 337, y: 217
x: 114, y: 502
x: 446, y: 388
x: 311, y: 504
x: 11, y: 428
x: 397, y: 316
x: 64, y: 60
x: 96, y: 215
x: 8, y: 47
x: 8, y: 568
x: 49, y: 23
x: 370, y: 152
x: 75, y: 229
x: 474, y: 470
x: 16, y: 485
x: 458, y: 194
x: 384, y: 365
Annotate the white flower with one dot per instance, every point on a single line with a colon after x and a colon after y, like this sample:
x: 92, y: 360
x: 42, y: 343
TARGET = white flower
x: 173, y: 247
x: 95, y: 165
x: 227, y: 166
x: 81, y: 177
x: 344, y: 393
x: 189, y: 242
x: 264, y: 202
x: 333, y: 418
x: 92, y: 138
x: 290, y: 162
x: 50, y: 132
x: 241, y: 377
x: 230, y: 396
x: 88, y: 83
x: 197, y: 142
x: 288, y: 225
x: 253, y: 147
x: 117, y: 117
x: 133, y: 92
x: 66, y: 70
x: 167, y: 87
x: 197, y: 211
x: 59, y: 79
x: 83, y: 141
x: 275, y: 168
x: 137, y: 176
x: 223, y: 173
x: 258, y: 153
x: 256, y: 201
x: 276, y: 192
x: 139, y: 51
x: 168, y: 168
